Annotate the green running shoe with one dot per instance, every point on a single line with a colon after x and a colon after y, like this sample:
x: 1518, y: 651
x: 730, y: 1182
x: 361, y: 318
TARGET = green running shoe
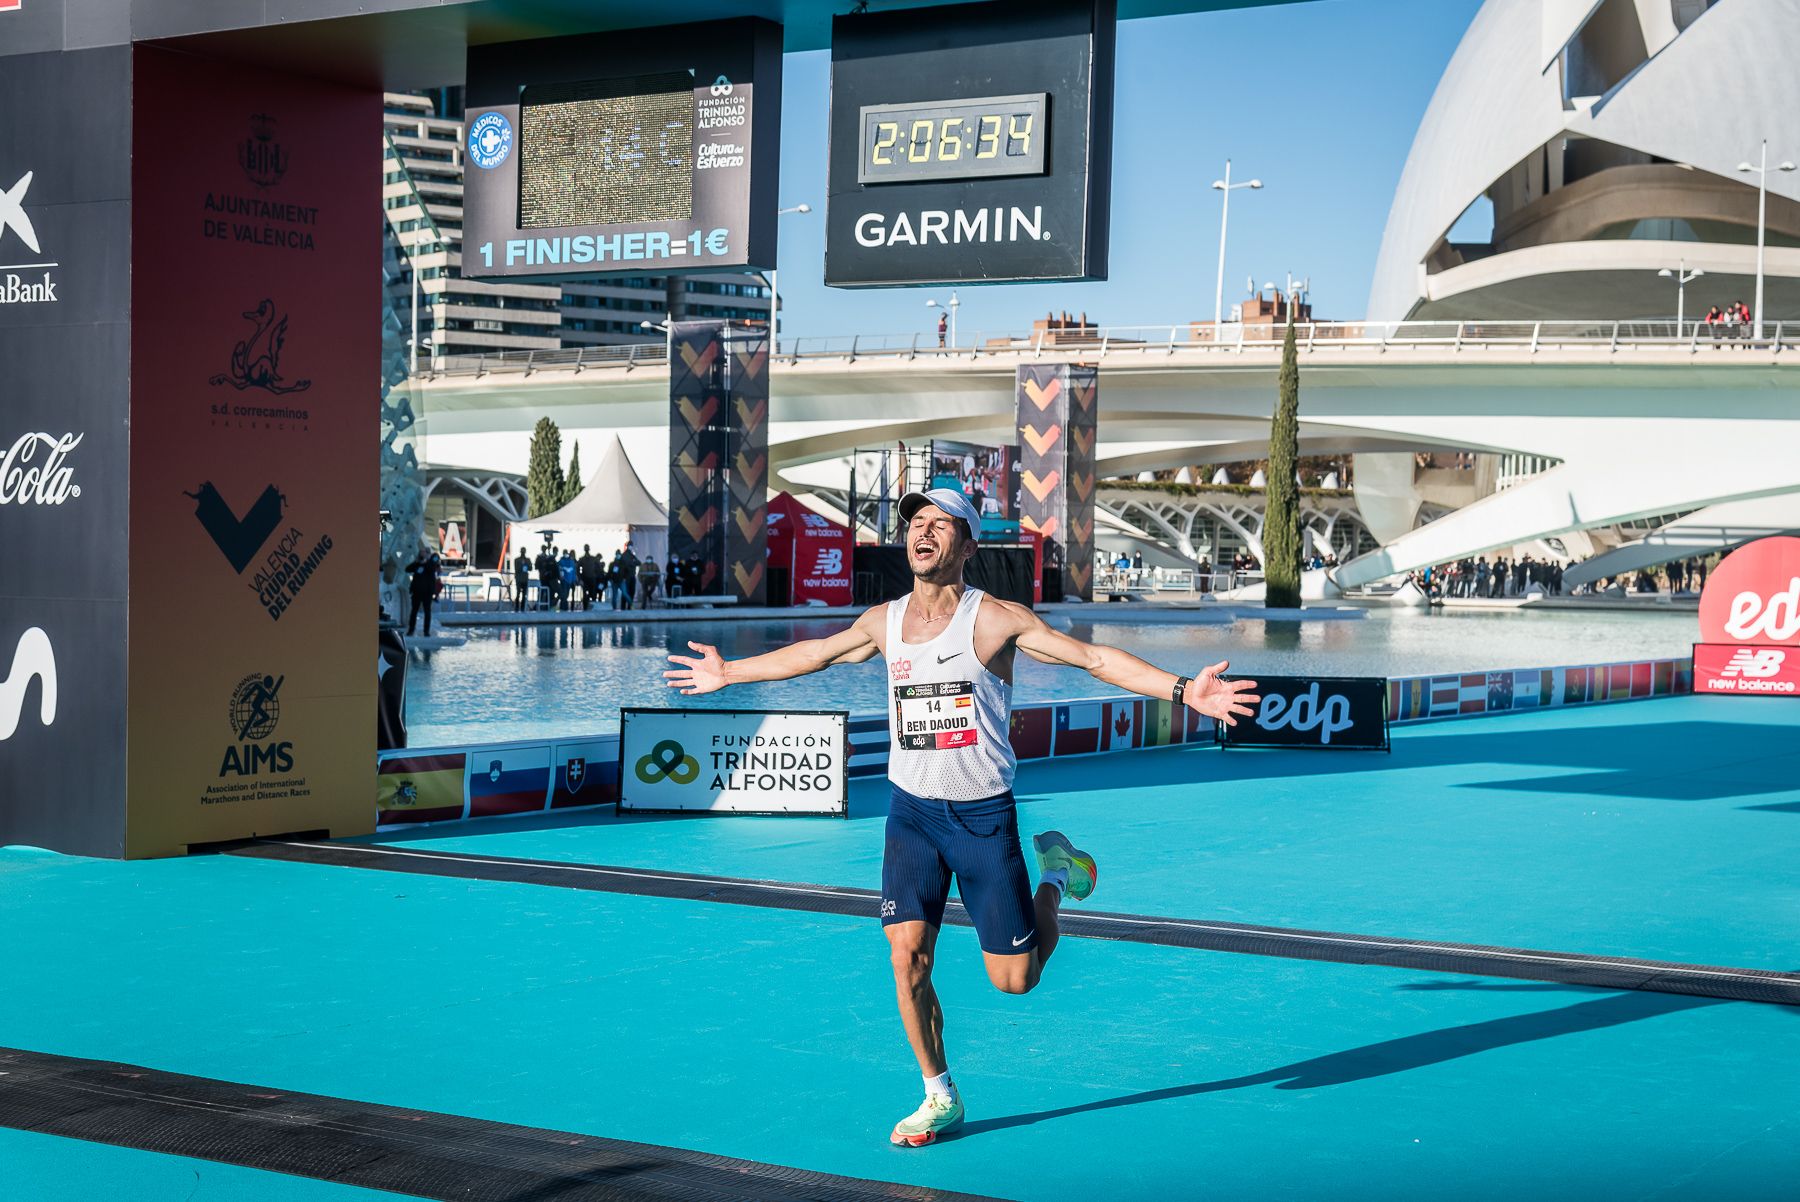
x: 1055, y: 851
x: 938, y: 1115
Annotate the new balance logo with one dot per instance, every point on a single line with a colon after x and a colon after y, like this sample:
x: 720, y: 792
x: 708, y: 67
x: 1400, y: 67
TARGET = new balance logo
x: 1755, y: 663
x: 32, y: 659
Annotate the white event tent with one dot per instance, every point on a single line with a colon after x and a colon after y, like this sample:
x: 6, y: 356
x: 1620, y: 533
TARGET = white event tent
x: 612, y: 507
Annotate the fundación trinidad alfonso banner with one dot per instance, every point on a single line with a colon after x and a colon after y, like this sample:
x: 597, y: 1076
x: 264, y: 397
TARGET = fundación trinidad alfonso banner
x: 1342, y: 713
x: 254, y: 364
x: 734, y: 761
x: 1750, y: 622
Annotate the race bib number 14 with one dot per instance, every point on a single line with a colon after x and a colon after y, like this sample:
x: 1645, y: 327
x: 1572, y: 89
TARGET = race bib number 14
x: 934, y: 717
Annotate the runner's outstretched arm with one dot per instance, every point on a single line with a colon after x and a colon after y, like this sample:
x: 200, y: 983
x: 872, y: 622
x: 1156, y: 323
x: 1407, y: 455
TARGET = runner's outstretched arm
x: 709, y: 672
x: 1226, y: 700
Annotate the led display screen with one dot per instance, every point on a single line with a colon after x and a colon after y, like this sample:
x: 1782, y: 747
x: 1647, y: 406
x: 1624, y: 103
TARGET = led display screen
x: 954, y: 139
x: 607, y: 151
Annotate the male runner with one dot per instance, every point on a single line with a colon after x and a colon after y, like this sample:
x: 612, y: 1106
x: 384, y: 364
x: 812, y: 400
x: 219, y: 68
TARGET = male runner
x: 949, y: 652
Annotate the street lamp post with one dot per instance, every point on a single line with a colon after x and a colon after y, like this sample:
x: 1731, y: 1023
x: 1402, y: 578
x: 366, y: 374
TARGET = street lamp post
x: 1225, y: 185
x: 1682, y: 277
x: 952, y: 306
x: 774, y: 292
x: 413, y: 346
x: 1762, y: 208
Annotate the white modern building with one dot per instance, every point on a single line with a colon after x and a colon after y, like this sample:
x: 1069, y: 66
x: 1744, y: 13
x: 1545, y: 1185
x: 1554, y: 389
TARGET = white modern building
x: 1575, y: 148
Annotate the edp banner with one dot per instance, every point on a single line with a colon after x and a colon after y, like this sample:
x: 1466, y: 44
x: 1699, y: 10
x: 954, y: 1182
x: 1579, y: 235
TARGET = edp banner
x: 1746, y: 668
x: 1337, y: 713
x: 734, y: 761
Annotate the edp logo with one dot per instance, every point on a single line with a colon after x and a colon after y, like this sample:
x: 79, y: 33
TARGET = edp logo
x: 1306, y: 712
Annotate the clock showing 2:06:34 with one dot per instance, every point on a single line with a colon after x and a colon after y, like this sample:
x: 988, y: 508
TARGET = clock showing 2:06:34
x: 954, y: 139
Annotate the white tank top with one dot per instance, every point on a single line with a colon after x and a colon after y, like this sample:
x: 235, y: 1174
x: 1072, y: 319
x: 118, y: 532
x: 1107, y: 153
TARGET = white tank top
x: 948, y: 728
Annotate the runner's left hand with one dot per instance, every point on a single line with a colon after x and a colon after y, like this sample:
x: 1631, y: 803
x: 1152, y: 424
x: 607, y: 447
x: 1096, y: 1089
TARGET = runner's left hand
x: 704, y: 674
x: 1226, y: 700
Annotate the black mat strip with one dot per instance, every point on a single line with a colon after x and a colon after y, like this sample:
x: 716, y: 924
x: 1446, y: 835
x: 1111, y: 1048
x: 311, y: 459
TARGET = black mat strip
x: 415, y: 1152
x: 1568, y: 968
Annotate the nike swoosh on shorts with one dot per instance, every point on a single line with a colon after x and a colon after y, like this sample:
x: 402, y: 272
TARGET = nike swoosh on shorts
x: 1024, y: 937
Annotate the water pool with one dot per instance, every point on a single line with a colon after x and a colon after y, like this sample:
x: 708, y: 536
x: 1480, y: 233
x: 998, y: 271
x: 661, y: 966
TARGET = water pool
x: 532, y: 682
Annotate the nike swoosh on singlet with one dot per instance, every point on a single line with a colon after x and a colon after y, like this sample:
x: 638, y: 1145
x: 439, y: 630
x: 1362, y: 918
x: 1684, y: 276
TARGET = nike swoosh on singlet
x: 944, y: 659
x: 1024, y: 937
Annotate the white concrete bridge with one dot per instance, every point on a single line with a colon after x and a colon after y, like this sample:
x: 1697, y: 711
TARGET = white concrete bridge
x: 1643, y: 418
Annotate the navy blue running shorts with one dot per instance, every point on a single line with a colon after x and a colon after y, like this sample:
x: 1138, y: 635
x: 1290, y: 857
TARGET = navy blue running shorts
x: 978, y: 841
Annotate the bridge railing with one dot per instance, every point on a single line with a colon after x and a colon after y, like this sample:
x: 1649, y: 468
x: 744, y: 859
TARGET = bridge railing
x: 1315, y: 338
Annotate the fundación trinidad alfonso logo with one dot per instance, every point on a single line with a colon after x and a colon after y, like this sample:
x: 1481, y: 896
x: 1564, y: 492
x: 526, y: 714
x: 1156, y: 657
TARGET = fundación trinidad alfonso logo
x: 260, y: 155
x: 670, y: 760
x: 490, y: 140
x: 33, y: 659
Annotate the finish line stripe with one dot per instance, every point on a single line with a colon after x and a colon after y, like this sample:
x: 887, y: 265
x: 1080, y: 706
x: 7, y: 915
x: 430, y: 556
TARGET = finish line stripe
x: 1566, y: 968
x: 415, y: 1152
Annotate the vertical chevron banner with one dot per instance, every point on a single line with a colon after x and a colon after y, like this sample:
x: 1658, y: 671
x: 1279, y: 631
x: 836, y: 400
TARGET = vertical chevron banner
x: 719, y: 455
x: 1058, y: 407
x: 747, y: 469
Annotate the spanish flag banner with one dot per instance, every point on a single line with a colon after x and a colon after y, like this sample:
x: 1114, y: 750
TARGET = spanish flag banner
x: 420, y: 788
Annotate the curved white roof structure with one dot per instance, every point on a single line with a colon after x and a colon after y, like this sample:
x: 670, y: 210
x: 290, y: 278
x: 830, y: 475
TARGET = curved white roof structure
x: 1606, y: 134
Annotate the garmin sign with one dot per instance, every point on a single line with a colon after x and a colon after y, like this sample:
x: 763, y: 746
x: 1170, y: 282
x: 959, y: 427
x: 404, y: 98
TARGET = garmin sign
x: 970, y: 143
x: 1341, y: 713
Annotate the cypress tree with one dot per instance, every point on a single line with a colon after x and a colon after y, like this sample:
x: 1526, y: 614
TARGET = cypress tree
x: 1281, y: 519
x: 544, y: 476
x: 572, y: 485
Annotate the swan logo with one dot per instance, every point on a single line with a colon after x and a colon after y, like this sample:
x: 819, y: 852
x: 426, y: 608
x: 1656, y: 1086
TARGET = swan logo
x: 1306, y: 712
x: 33, y: 659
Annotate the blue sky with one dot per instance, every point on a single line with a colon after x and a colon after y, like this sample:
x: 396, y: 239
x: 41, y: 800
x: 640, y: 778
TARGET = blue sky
x: 1318, y: 100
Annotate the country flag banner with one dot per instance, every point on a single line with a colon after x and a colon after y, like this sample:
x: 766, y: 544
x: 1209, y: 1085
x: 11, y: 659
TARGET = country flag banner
x: 1160, y: 726
x: 1032, y: 731
x: 586, y: 773
x: 1472, y: 697
x: 1078, y: 727
x: 512, y: 780
x: 1446, y: 696
x: 419, y: 788
x: 1122, y: 726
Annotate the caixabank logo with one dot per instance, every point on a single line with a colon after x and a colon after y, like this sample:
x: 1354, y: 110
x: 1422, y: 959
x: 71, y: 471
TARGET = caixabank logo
x: 23, y: 283
x: 254, y: 714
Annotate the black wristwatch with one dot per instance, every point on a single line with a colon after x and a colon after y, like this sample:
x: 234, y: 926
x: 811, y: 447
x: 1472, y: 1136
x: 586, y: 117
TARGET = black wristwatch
x: 1180, y: 691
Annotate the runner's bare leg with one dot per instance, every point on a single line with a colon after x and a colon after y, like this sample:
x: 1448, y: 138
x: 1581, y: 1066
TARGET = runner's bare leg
x: 913, y: 945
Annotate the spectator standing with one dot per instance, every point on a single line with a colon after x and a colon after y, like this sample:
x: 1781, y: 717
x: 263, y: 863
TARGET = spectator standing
x: 567, y: 575
x: 589, y: 567
x: 423, y: 588
x: 943, y: 328
x: 521, y: 581
x: 628, y: 573
x: 1482, y: 572
x: 546, y: 570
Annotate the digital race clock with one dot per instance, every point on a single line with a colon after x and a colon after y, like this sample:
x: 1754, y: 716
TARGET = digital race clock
x: 972, y: 147
x: 954, y: 139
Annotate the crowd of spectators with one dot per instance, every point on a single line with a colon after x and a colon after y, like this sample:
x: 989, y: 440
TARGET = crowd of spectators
x: 567, y: 581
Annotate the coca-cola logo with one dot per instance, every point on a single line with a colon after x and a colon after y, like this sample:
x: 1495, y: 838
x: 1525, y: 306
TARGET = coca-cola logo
x: 35, y: 470
x: 1754, y: 595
